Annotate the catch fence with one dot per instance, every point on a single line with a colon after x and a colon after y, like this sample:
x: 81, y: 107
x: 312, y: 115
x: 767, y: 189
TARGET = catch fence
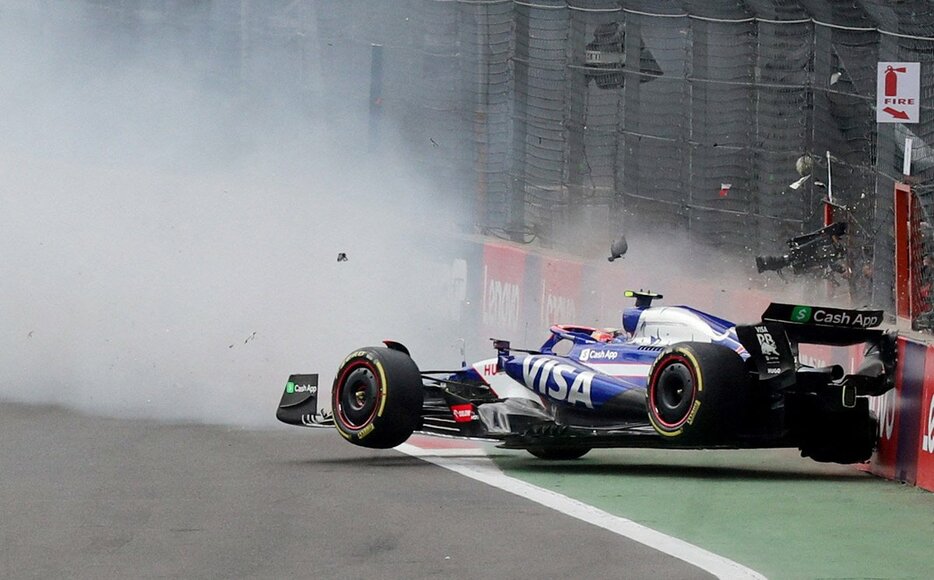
x: 703, y: 117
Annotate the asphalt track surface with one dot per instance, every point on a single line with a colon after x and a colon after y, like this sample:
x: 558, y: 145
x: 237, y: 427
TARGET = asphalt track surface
x: 88, y: 497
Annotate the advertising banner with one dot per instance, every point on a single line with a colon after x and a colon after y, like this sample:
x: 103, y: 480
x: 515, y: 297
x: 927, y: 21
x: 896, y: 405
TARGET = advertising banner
x: 925, y: 477
x: 909, y: 409
x: 560, y: 292
x: 885, y: 408
x: 503, y: 286
x: 899, y: 416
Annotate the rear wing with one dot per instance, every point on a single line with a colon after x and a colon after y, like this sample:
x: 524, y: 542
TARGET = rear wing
x: 772, y: 344
x: 822, y: 325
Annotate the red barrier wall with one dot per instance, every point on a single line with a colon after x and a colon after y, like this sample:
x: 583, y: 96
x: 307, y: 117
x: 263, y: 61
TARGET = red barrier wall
x: 925, y: 472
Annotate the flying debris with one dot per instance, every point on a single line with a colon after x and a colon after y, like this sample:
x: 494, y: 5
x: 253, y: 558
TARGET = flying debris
x: 619, y: 248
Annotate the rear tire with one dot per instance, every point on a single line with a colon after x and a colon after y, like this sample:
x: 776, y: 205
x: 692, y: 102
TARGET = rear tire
x: 377, y: 397
x: 693, y: 391
x: 559, y: 453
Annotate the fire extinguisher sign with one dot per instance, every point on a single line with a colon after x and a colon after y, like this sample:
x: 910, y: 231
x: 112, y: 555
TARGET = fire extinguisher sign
x: 898, y: 92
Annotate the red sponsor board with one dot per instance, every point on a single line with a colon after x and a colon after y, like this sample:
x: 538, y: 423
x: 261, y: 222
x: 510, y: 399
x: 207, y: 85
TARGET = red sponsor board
x: 884, y: 461
x: 926, y: 443
x: 816, y: 355
x: 560, y: 292
x: 503, y: 276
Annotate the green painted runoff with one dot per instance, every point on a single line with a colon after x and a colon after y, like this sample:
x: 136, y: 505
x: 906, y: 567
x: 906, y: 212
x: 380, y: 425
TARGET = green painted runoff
x: 770, y: 510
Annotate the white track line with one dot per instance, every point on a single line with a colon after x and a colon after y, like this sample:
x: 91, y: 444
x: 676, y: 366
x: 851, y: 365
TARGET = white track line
x: 466, y: 462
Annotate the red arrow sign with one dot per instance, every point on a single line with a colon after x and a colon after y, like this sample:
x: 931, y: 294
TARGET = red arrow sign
x: 896, y: 113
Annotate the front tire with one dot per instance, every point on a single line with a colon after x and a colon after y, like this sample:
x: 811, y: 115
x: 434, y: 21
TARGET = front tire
x: 377, y: 397
x: 693, y: 391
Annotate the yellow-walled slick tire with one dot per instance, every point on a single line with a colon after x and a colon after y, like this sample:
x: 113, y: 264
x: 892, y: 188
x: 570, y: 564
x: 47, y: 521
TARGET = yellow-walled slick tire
x: 377, y: 397
x: 693, y: 391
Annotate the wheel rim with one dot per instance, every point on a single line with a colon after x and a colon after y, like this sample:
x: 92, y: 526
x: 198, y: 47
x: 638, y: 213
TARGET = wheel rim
x: 673, y: 392
x: 357, y: 397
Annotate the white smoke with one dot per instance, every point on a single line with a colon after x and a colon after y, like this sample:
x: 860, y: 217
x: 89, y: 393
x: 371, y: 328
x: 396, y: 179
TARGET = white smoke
x: 170, y: 250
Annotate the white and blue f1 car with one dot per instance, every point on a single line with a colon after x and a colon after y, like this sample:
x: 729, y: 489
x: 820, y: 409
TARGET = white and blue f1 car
x: 671, y: 377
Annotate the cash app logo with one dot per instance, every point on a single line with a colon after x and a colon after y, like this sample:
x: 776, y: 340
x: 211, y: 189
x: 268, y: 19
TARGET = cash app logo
x: 801, y: 314
x: 290, y: 387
